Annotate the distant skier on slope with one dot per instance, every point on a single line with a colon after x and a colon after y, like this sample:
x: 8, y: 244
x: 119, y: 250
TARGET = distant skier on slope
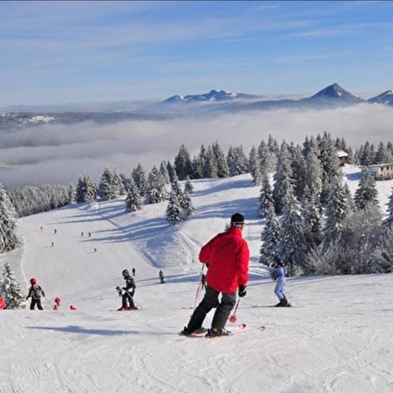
x: 161, y: 275
x: 278, y: 275
x: 127, y: 292
x: 35, y: 293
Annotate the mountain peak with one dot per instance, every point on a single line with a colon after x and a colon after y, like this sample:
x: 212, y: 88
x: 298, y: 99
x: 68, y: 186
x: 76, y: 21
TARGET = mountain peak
x: 335, y: 91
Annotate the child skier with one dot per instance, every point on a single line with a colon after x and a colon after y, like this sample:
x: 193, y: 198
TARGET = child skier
x: 279, y: 276
x: 128, y: 294
x: 161, y: 275
x: 35, y: 293
x: 56, y: 306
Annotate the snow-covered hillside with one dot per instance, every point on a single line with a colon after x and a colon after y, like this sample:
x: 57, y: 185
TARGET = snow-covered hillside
x: 336, y: 338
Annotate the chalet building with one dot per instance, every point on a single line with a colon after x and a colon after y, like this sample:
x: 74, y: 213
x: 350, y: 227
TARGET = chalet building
x: 381, y: 171
x: 342, y: 157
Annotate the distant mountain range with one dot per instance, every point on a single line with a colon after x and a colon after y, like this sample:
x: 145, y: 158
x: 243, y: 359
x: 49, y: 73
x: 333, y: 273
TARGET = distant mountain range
x: 213, y: 102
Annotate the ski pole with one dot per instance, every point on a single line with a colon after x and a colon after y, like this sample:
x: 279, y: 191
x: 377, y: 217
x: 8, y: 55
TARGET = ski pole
x: 199, y: 287
x: 233, y: 317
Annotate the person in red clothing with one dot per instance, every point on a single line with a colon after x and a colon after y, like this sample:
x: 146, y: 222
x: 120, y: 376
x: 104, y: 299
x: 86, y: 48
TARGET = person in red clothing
x: 227, y: 256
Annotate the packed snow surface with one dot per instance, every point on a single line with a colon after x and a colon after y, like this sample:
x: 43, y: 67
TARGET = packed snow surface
x: 337, y: 337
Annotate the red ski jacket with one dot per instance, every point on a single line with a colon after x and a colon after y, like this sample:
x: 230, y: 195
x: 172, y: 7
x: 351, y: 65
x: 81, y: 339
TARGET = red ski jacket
x: 227, y: 255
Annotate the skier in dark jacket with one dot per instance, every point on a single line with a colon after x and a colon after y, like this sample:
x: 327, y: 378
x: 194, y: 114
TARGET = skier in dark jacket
x: 227, y: 255
x: 161, y: 275
x: 127, y: 292
x: 35, y: 293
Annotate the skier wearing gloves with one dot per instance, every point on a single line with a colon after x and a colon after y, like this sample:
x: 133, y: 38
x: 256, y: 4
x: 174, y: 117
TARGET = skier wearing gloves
x: 35, y: 293
x: 279, y: 276
x: 227, y: 255
x: 127, y: 292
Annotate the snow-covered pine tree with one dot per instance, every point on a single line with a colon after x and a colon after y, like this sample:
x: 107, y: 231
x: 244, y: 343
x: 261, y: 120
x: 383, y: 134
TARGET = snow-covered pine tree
x: 237, y: 161
x: 139, y: 176
x: 186, y: 205
x: 222, y: 165
x: 183, y: 163
x: 134, y: 201
x: 188, y: 187
x: 336, y: 212
x: 311, y: 207
x: 175, y: 185
x: 367, y: 192
x: 282, y: 179
x: 267, y: 156
x: 210, y: 169
x: 9, y: 238
x: 71, y: 194
x: 293, y: 245
x: 156, y: 191
x: 10, y: 290
x: 105, y: 185
x: 366, y: 154
x: 164, y: 171
x: 265, y: 195
x: 173, y: 210
x: 359, y: 238
x: 383, y: 155
x: 329, y: 163
x: 86, y: 190
x: 389, y: 219
x: 118, y: 188
x: 255, y: 167
x: 299, y: 176
x: 313, y: 179
x: 270, y: 236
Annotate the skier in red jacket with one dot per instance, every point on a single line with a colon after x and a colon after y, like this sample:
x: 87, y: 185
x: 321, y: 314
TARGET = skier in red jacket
x: 227, y: 256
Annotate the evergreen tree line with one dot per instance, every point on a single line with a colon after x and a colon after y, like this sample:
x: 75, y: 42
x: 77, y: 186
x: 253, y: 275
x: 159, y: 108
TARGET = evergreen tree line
x: 313, y: 221
x: 308, y: 210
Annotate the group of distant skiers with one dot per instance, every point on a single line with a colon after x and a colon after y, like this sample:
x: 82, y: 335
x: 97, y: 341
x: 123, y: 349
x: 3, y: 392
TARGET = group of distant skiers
x: 127, y: 292
x: 227, y: 257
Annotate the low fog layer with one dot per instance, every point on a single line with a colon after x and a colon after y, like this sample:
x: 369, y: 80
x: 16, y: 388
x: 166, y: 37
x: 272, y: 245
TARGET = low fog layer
x: 60, y: 154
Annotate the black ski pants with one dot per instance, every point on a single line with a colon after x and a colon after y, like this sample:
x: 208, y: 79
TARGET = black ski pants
x: 35, y: 302
x: 210, y: 301
x: 127, y: 298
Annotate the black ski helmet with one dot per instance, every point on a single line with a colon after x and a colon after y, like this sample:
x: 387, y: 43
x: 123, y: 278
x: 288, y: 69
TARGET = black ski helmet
x: 125, y: 273
x: 237, y: 220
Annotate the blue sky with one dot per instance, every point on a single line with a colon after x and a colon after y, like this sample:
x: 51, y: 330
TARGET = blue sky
x: 63, y: 52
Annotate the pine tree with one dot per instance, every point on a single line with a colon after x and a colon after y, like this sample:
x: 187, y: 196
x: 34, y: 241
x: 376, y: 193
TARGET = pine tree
x: 329, y: 163
x: 156, y: 191
x: 282, y: 179
x: 133, y: 200
x: 367, y: 192
x: 293, y: 245
x: 173, y: 211
x: 389, y: 219
x: 336, y: 212
x: 86, y: 190
x: 139, y: 176
x: 164, y: 171
x: 183, y: 163
x: 186, y: 205
x: 265, y: 195
x: 10, y: 290
x: 222, y: 166
x: 210, y: 169
x: 188, y: 187
x: 270, y: 236
x: 9, y: 239
x: 71, y: 194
